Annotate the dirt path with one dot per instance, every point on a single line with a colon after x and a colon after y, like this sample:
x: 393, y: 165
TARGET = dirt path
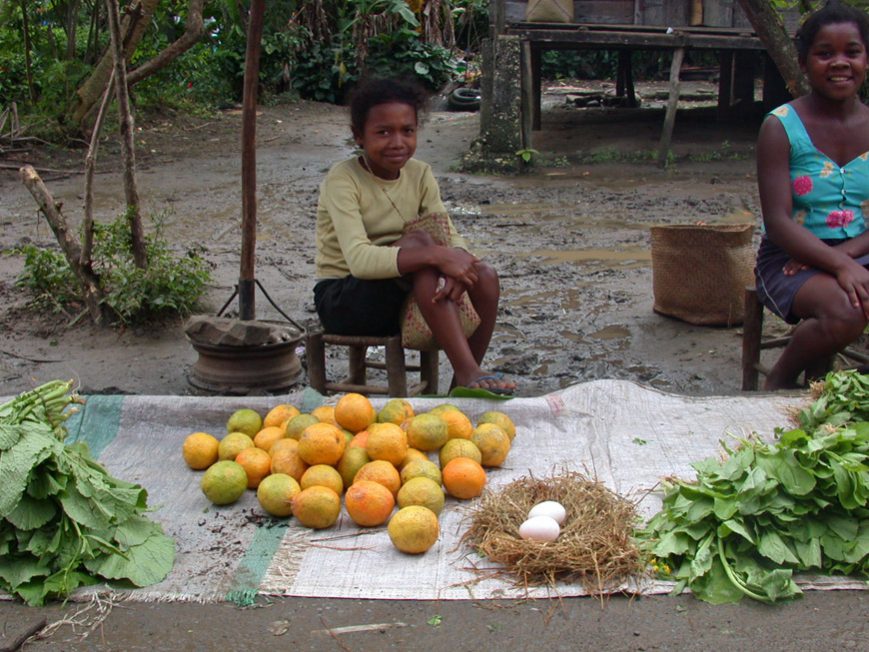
x: 571, y: 241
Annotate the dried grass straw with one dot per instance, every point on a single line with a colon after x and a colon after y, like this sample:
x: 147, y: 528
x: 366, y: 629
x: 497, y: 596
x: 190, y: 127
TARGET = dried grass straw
x: 595, y: 548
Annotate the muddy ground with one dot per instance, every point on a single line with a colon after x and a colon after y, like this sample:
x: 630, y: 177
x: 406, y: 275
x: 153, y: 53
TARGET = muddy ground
x: 571, y: 241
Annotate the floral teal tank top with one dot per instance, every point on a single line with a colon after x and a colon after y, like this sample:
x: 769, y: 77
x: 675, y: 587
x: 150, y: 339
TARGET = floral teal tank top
x: 830, y: 201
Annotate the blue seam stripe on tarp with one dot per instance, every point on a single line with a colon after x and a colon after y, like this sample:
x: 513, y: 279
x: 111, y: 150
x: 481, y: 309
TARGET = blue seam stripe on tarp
x: 253, y: 566
x: 97, y: 422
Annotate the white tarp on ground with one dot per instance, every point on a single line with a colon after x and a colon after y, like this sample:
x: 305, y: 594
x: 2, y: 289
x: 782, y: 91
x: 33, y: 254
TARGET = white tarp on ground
x: 627, y: 435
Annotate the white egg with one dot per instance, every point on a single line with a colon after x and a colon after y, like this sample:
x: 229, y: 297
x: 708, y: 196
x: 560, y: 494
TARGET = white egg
x: 551, y: 509
x: 540, y: 528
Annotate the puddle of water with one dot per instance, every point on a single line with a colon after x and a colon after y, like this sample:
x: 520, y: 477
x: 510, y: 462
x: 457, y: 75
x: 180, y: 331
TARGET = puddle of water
x: 633, y: 258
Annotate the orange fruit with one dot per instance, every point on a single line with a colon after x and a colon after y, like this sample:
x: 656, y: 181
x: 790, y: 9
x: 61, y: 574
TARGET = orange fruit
x: 459, y: 448
x: 443, y: 407
x: 324, y: 476
x: 285, y: 459
x: 200, y: 450
x: 412, y: 454
x: 298, y: 423
x: 499, y: 419
x: 369, y: 503
x: 427, y: 432
x: 360, y: 439
x: 283, y: 444
x: 493, y: 442
x: 233, y: 444
x: 421, y: 469
x: 268, y: 436
x: 275, y: 494
x: 245, y: 420
x: 414, y: 529
x: 380, y: 471
x: 316, y: 507
x: 322, y: 443
x: 256, y: 463
x: 422, y: 491
x: 224, y: 482
x: 279, y: 415
x: 396, y: 410
x: 325, y: 414
x: 351, y: 461
x: 464, y: 478
x: 354, y: 412
x: 459, y: 426
x: 386, y: 441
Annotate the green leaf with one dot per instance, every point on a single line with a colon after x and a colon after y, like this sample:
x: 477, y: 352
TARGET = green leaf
x: 16, y: 570
x: 773, y: 547
x: 17, y: 462
x: 142, y: 565
x: 715, y: 586
x: 10, y: 433
x: 737, y: 527
x: 31, y: 514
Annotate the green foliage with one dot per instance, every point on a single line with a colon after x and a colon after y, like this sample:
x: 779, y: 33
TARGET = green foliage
x: 64, y: 521
x: 402, y: 54
x: 765, y: 511
x: 169, y: 285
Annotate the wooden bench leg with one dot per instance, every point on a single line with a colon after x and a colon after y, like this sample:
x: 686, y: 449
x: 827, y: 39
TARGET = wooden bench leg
x: 315, y: 353
x: 428, y: 370
x: 356, y: 355
x: 752, y: 329
x: 396, y: 368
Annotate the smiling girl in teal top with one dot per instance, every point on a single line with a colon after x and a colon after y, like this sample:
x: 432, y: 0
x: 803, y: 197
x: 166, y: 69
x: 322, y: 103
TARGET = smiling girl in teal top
x: 813, y: 178
x: 827, y: 199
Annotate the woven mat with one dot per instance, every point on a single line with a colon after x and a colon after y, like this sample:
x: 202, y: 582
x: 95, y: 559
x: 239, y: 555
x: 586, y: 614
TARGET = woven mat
x: 627, y: 435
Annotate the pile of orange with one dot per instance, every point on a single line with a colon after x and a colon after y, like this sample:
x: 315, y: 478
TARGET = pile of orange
x: 302, y: 464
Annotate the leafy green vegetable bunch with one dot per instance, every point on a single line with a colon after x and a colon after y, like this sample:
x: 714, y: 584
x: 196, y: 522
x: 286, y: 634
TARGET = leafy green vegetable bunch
x: 751, y: 520
x: 64, y: 521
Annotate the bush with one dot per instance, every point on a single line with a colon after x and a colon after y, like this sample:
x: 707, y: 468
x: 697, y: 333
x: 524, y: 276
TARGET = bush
x: 169, y: 285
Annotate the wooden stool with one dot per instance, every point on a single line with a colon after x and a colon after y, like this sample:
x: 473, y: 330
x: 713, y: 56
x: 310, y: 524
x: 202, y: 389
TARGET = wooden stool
x: 356, y: 381
x: 753, y: 343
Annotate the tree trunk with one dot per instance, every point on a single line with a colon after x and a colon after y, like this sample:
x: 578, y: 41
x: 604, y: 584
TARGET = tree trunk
x: 127, y: 130
x: 71, y: 25
x: 68, y: 243
x: 193, y: 30
x: 133, y: 26
x: 769, y: 27
x: 28, y: 70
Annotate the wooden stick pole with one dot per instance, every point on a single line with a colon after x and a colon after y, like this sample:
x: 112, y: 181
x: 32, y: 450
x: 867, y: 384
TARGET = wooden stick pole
x: 672, y: 104
x: 246, y: 284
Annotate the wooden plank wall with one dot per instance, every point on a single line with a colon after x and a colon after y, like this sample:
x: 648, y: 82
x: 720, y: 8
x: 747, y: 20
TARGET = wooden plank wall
x: 663, y: 13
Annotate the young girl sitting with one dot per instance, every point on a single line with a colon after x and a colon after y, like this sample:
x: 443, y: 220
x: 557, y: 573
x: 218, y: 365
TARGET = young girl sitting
x: 367, y: 261
x: 813, y: 178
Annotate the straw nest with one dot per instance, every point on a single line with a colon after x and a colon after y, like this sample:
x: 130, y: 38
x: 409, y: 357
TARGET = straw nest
x: 595, y: 547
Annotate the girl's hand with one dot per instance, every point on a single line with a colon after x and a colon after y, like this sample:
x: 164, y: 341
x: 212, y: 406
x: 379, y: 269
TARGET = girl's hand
x: 449, y: 288
x: 793, y: 266
x: 854, y: 279
x: 459, y: 265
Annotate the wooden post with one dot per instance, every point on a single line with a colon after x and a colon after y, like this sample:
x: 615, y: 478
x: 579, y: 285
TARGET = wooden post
x: 526, y: 94
x: 315, y: 351
x: 672, y: 104
x: 396, y: 368
x: 246, y: 286
x: 752, y: 328
x: 428, y: 370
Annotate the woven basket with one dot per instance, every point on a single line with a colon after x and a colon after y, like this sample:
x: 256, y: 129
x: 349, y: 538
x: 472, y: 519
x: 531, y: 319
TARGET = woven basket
x: 700, y: 272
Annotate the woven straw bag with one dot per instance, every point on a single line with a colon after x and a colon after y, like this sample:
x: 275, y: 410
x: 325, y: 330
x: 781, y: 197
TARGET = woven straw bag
x: 549, y: 11
x: 415, y: 332
x: 700, y: 272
